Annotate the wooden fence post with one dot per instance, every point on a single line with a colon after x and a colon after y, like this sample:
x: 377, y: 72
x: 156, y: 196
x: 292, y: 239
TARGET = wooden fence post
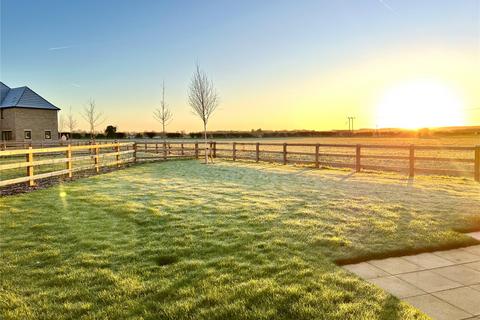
x: 234, y: 151
x: 69, y: 160
x: 412, y: 161
x: 164, y: 151
x: 183, y: 150
x: 134, y: 152
x: 477, y: 163
x: 358, y: 166
x: 30, y: 172
x: 156, y: 147
x: 196, y: 150
x: 257, y: 152
x: 317, y: 156
x: 214, y: 149
x: 97, y: 159
x: 284, y: 153
x: 117, y: 157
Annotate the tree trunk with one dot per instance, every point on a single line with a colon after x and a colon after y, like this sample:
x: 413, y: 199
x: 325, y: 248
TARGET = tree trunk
x: 205, y: 136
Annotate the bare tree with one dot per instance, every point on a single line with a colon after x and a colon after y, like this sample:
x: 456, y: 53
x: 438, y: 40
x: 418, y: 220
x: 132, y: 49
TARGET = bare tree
x: 61, y: 123
x: 93, y: 117
x: 203, y: 99
x: 71, y: 122
x: 163, y: 114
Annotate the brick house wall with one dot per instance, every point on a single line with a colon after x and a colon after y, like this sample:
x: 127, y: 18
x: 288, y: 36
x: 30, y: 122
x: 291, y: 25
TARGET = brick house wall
x: 37, y: 121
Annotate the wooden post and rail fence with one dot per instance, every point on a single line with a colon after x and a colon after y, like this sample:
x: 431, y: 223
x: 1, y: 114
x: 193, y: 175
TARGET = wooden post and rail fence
x: 96, y: 156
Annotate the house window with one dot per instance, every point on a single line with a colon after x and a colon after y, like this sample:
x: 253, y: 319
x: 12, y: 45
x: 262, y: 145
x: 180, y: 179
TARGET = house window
x: 7, y: 135
x: 48, y: 134
x: 28, y: 135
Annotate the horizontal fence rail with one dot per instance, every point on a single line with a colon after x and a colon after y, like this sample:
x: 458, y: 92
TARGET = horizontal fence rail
x: 20, y: 165
x: 438, y: 160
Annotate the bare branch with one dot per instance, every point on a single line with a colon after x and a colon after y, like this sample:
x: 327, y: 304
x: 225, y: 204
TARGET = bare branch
x: 93, y: 117
x: 62, y: 123
x: 71, y: 122
x: 163, y: 114
x: 203, y: 99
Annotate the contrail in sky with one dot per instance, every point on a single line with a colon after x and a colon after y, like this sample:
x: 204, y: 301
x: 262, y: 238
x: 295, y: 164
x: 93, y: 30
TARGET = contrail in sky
x: 386, y: 5
x: 60, y: 48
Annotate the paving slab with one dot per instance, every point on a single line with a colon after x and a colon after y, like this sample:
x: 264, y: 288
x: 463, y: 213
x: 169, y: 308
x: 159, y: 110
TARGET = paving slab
x: 473, y: 250
x: 442, y: 284
x: 475, y: 235
x: 474, y: 265
x: 464, y: 298
x: 428, y: 260
x: 457, y: 256
x: 461, y: 274
x: 437, y: 308
x: 397, y: 287
x: 395, y: 265
x: 365, y: 270
x: 429, y: 281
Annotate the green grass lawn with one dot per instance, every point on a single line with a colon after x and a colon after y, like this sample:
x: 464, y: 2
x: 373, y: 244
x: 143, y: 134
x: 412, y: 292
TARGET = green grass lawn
x: 181, y: 240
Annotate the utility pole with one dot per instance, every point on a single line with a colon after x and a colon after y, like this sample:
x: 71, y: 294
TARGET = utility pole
x: 350, y: 124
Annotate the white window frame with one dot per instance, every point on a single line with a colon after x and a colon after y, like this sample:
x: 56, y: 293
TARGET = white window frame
x: 25, y: 131
x: 45, y: 135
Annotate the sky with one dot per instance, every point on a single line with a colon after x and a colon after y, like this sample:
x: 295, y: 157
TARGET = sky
x: 276, y: 64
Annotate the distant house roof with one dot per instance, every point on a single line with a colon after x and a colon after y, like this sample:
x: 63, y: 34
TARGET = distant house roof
x: 22, y: 97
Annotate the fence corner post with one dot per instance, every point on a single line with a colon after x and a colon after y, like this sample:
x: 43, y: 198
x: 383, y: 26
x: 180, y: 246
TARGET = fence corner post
x: 30, y: 173
x: 358, y: 157
x: 477, y: 163
x: 411, y: 159
x: 284, y: 153
x: 317, y: 156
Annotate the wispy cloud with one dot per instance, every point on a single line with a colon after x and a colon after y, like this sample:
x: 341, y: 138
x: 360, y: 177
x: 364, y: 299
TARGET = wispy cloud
x: 386, y: 5
x: 60, y: 48
x: 76, y: 85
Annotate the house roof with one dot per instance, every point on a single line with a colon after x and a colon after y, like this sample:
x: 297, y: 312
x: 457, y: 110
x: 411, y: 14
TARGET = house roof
x: 22, y: 97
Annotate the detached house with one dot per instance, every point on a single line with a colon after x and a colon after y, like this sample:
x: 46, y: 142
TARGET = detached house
x: 26, y: 116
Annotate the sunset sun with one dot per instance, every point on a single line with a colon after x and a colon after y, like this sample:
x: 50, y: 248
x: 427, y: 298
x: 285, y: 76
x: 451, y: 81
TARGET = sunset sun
x: 420, y: 104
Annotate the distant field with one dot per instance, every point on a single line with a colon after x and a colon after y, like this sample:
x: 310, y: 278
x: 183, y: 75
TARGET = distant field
x: 466, y: 141
x: 181, y: 240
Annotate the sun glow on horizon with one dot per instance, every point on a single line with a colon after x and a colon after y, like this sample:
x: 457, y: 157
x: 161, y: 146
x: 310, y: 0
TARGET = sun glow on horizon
x: 420, y: 104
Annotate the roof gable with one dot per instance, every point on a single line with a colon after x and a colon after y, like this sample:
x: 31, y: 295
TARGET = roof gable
x: 30, y: 99
x: 23, y: 97
x: 12, y: 97
x: 3, y: 91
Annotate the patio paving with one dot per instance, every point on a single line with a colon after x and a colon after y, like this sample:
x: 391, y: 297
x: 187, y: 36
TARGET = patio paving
x: 442, y: 284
